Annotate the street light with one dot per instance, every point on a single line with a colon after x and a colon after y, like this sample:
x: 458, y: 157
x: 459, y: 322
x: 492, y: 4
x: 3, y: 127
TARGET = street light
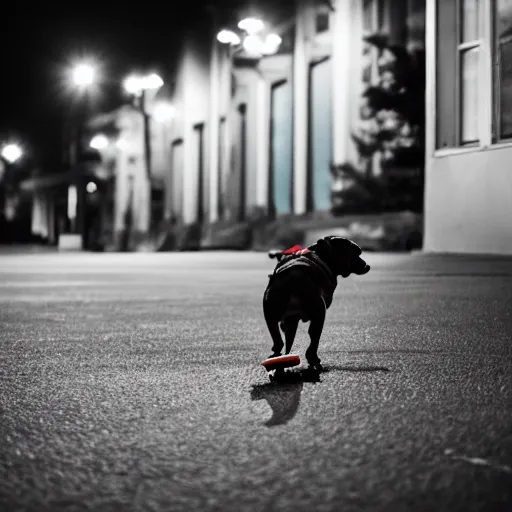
x: 271, y: 44
x: 83, y: 74
x: 228, y: 37
x: 255, y: 40
x: 81, y: 77
x: 91, y: 187
x: 136, y: 85
x: 12, y: 153
x: 251, y: 25
x: 99, y: 142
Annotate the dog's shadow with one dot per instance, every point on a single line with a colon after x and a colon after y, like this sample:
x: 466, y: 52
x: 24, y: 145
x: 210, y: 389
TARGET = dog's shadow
x: 283, y: 395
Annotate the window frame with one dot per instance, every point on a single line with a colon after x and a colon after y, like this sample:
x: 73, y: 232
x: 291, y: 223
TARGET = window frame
x: 496, y: 72
x: 488, y: 107
x: 464, y: 46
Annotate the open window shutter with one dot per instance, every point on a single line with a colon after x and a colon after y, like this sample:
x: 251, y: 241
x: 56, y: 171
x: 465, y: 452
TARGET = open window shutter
x: 446, y: 74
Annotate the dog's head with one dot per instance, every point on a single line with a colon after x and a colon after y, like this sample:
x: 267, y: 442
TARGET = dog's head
x: 342, y: 255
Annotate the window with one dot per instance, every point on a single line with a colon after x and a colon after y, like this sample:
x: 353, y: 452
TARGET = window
x: 502, y: 30
x: 473, y: 72
x: 222, y: 166
x: 322, y: 21
x: 468, y: 56
x: 199, y: 165
x: 323, y: 10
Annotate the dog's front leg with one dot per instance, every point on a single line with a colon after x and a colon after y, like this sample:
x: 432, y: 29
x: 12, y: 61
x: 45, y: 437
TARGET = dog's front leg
x: 315, y: 332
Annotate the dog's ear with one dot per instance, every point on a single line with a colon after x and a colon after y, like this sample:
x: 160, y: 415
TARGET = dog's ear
x: 324, y: 244
x: 322, y: 247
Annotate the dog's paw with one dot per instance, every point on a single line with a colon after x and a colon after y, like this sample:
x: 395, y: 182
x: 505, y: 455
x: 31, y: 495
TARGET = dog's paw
x: 314, y: 363
x: 316, y: 367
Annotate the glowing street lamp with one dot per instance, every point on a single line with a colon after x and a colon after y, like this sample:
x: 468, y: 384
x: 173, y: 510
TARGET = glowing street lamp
x: 152, y: 81
x: 271, y: 44
x: 252, y: 45
x: 12, y: 153
x: 256, y: 40
x: 132, y: 85
x: 83, y: 75
x: 251, y: 25
x: 228, y: 37
x: 136, y: 85
x: 99, y: 142
x: 91, y: 187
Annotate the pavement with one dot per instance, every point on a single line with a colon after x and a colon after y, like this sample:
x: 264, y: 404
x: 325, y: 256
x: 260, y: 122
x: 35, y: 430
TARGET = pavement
x: 133, y: 382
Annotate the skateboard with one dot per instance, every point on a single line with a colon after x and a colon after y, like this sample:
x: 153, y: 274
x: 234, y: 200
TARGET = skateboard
x: 278, y: 364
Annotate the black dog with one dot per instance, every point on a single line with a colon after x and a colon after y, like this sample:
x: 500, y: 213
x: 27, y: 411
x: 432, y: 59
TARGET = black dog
x: 302, y: 287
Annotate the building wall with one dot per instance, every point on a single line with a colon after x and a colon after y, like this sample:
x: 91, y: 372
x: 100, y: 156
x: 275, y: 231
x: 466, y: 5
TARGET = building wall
x: 191, y: 104
x: 468, y: 194
x: 203, y: 94
x: 468, y: 205
x: 275, y: 71
x: 160, y: 129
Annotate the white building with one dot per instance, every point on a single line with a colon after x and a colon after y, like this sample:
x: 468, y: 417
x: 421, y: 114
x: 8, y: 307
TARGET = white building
x: 129, y: 188
x: 254, y: 137
x: 468, y: 204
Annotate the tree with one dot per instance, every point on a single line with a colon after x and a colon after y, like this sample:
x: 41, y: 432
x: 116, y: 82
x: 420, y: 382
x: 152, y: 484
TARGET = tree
x: 389, y: 138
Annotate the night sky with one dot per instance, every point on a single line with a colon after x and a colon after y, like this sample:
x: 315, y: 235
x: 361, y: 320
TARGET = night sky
x: 39, y: 43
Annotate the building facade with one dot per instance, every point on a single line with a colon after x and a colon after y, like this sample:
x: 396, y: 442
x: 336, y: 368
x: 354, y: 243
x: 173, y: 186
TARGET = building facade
x: 468, y: 195
x: 251, y: 140
x: 124, y: 206
x: 256, y: 138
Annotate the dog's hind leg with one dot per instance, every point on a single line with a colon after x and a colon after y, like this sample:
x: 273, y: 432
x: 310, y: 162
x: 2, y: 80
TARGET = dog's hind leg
x: 272, y: 320
x: 315, y: 331
x: 289, y: 327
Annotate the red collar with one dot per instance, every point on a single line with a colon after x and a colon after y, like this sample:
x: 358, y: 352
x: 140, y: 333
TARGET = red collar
x: 296, y: 249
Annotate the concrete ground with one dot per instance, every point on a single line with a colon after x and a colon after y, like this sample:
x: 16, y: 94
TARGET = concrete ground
x: 132, y: 382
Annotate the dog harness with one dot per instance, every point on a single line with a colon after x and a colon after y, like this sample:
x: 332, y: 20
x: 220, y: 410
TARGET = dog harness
x: 297, y: 256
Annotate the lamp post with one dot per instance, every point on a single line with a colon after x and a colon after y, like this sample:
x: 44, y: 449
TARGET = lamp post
x: 10, y: 154
x: 137, y: 87
x: 83, y: 75
x: 254, y: 40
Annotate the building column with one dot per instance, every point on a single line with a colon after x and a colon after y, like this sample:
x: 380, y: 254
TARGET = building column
x: 224, y: 142
x: 429, y: 236
x: 262, y: 141
x: 300, y: 107
x: 214, y: 119
x: 347, y: 43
